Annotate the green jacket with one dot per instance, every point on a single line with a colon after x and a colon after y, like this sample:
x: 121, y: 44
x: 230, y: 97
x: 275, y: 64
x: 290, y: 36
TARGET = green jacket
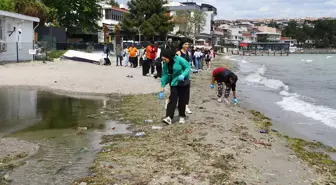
x: 181, y: 66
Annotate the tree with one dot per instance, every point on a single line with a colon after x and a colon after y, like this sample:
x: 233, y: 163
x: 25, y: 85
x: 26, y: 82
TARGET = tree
x: 114, y: 3
x: 34, y: 8
x: 7, y: 5
x: 192, y: 22
x: 273, y: 25
x: 147, y: 16
x: 81, y: 15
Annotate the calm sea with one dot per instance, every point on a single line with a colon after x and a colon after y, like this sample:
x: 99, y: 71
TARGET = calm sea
x: 297, y: 91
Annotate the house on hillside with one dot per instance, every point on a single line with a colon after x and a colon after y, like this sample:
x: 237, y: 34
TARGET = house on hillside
x: 16, y: 36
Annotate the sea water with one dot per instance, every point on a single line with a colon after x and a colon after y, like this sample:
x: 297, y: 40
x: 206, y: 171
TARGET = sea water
x: 297, y: 91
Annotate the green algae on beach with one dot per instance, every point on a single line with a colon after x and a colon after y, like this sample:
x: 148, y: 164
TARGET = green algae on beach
x: 314, y: 153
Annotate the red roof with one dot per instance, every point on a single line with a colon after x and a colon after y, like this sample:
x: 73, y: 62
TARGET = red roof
x: 286, y: 38
x: 247, y: 34
x: 120, y: 9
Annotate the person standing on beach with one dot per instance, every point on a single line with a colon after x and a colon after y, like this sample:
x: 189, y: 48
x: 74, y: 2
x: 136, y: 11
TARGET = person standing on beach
x: 133, y: 51
x: 207, y: 59
x: 119, y: 56
x: 126, y: 56
x: 150, y: 55
x: 222, y: 75
x: 184, y: 53
x: 198, y: 55
x: 158, y: 63
x: 175, y: 72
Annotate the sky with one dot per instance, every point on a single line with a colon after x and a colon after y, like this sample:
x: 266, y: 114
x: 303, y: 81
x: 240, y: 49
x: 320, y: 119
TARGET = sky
x: 251, y: 9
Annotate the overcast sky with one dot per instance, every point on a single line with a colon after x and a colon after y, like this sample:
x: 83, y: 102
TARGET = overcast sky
x: 238, y: 9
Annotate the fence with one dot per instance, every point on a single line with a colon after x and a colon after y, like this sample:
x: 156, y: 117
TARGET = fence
x: 28, y: 51
x: 20, y: 51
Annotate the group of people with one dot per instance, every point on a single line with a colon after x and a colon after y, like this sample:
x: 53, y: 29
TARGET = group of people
x: 176, y: 72
x: 173, y: 65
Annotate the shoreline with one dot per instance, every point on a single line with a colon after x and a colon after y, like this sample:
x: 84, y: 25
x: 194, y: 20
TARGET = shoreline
x: 212, y: 148
x: 219, y: 144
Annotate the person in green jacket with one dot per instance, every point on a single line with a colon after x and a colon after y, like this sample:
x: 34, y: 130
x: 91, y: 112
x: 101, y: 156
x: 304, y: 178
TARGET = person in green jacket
x: 175, y: 72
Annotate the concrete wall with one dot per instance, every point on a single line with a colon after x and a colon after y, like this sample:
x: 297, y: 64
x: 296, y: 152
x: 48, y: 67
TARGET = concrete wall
x: 25, y: 39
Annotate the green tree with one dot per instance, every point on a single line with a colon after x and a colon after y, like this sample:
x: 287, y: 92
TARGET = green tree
x: 7, y: 5
x: 114, y: 3
x: 192, y: 23
x: 34, y: 8
x: 273, y: 24
x: 147, y: 16
x: 80, y: 15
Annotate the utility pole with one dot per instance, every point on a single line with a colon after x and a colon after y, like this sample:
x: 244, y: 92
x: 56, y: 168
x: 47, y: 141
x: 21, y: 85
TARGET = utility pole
x: 139, y: 35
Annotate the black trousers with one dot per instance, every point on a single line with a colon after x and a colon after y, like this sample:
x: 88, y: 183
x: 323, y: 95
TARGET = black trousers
x: 133, y: 61
x: 177, y: 95
x: 145, y: 67
x: 188, y: 95
x: 158, y: 66
x: 151, y: 66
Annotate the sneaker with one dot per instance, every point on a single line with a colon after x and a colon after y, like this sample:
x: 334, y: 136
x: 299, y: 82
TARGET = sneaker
x: 166, y: 104
x: 226, y: 101
x: 167, y: 120
x: 219, y: 100
x: 187, y: 110
x: 182, y: 120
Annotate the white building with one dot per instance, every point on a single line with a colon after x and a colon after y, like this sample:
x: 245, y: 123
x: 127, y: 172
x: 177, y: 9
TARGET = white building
x: 16, y: 36
x: 111, y: 16
x: 206, y: 32
x: 268, y: 36
x: 236, y: 34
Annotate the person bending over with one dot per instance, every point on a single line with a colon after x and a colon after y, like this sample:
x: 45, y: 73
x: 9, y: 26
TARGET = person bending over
x: 222, y: 75
x: 175, y: 72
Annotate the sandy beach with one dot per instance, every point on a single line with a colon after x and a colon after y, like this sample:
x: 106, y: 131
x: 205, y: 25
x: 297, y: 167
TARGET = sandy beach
x: 77, y: 77
x: 219, y: 144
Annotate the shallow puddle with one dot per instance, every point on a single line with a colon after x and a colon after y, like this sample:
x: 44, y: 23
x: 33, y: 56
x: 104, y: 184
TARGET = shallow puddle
x: 58, y: 125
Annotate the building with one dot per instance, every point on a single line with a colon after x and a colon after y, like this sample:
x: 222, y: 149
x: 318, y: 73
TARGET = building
x: 249, y: 37
x: 236, y: 34
x: 268, y: 37
x: 111, y: 17
x: 206, y: 32
x: 288, y: 40
x: 16, y: 36
x: 268, y: 34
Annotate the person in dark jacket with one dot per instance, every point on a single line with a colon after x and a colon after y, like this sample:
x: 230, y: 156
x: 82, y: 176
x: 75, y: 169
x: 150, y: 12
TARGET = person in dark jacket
x: 184, y: 53
x: 175, y: 72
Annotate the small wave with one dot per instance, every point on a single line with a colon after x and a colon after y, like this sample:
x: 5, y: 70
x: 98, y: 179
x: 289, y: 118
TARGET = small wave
x: 258, y: 78
x: 309, y: 61
x: 320, y: 113
x: 286, y: 93
x: 329, y: 57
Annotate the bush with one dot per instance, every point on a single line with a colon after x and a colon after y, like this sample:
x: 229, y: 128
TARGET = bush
x: 56, y: 53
